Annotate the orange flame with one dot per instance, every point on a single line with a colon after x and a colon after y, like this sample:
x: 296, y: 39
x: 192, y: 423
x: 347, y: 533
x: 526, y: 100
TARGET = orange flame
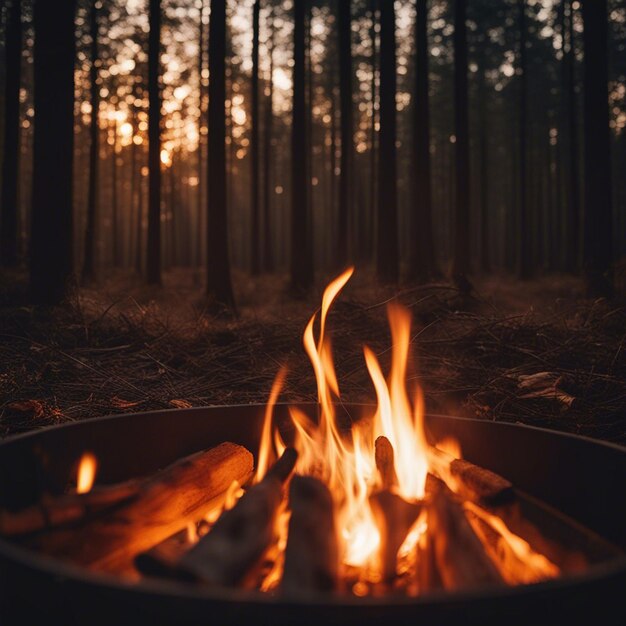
x: 87, y: 467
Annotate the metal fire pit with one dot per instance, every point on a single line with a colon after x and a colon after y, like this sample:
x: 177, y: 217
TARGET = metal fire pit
x: 582, y: 478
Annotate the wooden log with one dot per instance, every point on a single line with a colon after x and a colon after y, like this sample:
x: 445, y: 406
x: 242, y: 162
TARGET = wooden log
x: 167, y: 502
x: 312, y: 553
x: 461, y: 559
x: 58, y: 510
x: 395, y: 516
x: 384, y: 456
x: 241, y: 536
x: 470, y: 481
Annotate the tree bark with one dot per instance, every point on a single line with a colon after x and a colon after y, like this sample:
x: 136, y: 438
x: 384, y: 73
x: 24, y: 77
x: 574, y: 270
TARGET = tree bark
x: 598, y: 256
x: 10, y: 164
x: 461, y: 264
x: 51, y: 252
x: 344, y: 25
x: 301, y: 263
x: 255, y: 232
x: 153, y: 252
x: 422, y: 249
x: 573, y: 222
x: 387, y: 244
x: 89, y: 261
x: 219, y: 286
x: 524, y: 224
x: 268, y: 256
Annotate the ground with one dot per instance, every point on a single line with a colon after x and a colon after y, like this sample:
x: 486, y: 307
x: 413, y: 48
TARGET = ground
x: 536, y: 352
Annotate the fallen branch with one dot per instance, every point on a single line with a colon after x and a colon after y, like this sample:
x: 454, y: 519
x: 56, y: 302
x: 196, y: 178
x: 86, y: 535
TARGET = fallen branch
x: 312, y: 553
x: 470, y: 481
x: 53, y: 511
x: 241, y: 535
x: 166, y: 503
x: 384, y: 456
x: 459, y: 555
x: 395, y: 517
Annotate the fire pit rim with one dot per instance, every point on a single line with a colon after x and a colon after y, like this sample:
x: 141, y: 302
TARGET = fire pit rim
x: 113, y: 416
x: 597, y: 573
x: 41, y: 563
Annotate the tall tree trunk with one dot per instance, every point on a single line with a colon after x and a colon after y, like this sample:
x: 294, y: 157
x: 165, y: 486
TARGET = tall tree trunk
x: 344, y: 24
x: 301, y: 250
x: 255, y: 231
x: 524, y: 224
x: 485, y: 261
x: 10, y: 163
x: 422, y: 249
x: 115, y: 229
x: 461, y: 264
x: 268, y: 256
x: 369, y: 244
x: 153, y: 248
x: 598, y: 230
x: 573, y: 222
x: 199, y: 205
x: 51, y: 249
x: 89, y: 261
x: 387, y: 248
x: 219, y: 285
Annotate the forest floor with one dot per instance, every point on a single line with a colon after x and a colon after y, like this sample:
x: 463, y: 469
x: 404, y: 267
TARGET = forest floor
x: 536, y: 352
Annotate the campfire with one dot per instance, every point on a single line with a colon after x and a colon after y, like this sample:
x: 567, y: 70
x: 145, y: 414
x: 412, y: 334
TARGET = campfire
x: 369, y: 507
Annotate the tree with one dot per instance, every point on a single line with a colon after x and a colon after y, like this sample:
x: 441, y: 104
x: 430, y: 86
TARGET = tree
x: 461, y: 263
x: 345, y: 96
x: 268, y: 257
x: 598, y: 235
x: 10, y: 164
x: 153, y: 252
x: 51, y: 257
x: 422, y: 250
x: 572, y: 246
x: 301, y: 249
x: 219, y: 286
x: 525, y: 251
x: 254, y: 144
x: 88, y: 273
x: 387, y: 243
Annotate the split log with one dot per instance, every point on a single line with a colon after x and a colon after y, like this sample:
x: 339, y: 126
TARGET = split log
x: 166, y: 503
x: 242, y: 535
x: 470, y: 481
x: 53, y: 511
x: 395, y: 518
x: 384, y: 456
x: 460, y: 557
x: 312, y: 553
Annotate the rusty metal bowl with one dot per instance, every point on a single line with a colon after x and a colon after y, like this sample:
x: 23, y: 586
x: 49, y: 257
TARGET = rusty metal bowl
x: 580, y: 477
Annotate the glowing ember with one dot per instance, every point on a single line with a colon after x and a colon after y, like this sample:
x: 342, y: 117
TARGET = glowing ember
x: 86, y: 473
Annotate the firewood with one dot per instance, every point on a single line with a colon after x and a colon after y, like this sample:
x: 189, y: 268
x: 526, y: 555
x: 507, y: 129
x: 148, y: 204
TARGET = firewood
x: 241, y: 536
x: 167, y: 502
x: 470, y: 481
x: 461, y: 559
x: 395, y: 517
x: 59, y: 510
x: 312, y: 553
x: 384, y: 456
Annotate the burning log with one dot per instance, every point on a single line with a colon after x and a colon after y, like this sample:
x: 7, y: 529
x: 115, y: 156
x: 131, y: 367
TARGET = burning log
x: 395, y: 517
x: 312, y: 553
x: 460, y: 557
x: 384, y: 456
x: 241, y: 535
x: 165, y: 504
x: 53, y: 511
x: 470, y: 481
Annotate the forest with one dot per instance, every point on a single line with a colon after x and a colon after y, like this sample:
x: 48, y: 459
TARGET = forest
x: 180, y: 178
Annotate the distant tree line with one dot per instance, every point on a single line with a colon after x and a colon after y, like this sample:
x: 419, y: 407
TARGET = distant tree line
x: 498, y: 163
